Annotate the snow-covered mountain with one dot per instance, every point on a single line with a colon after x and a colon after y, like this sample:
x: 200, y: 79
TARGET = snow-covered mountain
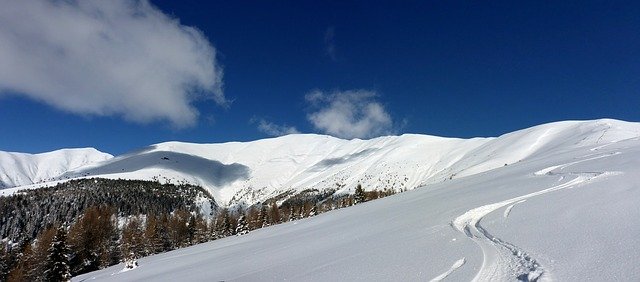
x: 18, y: 169
x: 565, y: 208
x: 255, y: 171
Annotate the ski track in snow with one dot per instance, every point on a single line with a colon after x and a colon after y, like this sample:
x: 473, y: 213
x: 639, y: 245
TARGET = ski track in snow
x: 507, y: 211
x: 549, y: 170
x: 503, y: 261
x: 453, y: 268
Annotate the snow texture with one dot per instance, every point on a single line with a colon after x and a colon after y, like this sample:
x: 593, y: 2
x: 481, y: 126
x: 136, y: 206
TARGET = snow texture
x: 251, y: 172
x: 579, y: 180
x: 18, y: 169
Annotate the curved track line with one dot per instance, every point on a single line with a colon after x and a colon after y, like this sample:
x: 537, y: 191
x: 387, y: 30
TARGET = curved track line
x: 507, y: 211
x: 503, y: 260
x: 453, y: 268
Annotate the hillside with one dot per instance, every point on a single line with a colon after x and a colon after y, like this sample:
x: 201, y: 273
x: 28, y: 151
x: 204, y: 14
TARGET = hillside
x: 18, y: 169
x: 563, y: 208
x: 252, y: 172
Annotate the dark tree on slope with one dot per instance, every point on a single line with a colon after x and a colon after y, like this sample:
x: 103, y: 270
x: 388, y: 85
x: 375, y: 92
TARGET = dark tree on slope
x: 178, y: 229
x: 224, y: 228
x: 153, y: 235
x: 41, y: 251
x: 201, y: 234
x: 274, y: 214
x: 92, y: 240
x: 4, y: 262
x: 263, y: 217
x: 132, y: 242
x: 359, y: 196
x: 25, y: 263
x: 57, y: 265
x: 242, y: 227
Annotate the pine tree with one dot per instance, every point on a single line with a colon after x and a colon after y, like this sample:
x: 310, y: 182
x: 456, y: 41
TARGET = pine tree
x: 132, y: 243
x: 224, y: 228
x: 41, y: 250
x: 359, y: 196
x: 4, y: 262
x: 191, y: 230
x: 242, y: 227
x: 213, y: 229
x: 263, y: 217
x: 57, y: 265
x: 201, y: 230
x: 152, y: 235
x: 22, y: 271
x: 94, y: 247
x: 252, y: 218
x: 274, y: 213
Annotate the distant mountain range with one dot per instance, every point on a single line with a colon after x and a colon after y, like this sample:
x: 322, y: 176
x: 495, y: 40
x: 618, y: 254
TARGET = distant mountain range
x: 251, y: 172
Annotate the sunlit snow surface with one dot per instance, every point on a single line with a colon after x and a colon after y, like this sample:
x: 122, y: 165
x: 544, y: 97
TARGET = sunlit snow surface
x: 18, y: 169
x: 252, y: 172
x: 571, y: 191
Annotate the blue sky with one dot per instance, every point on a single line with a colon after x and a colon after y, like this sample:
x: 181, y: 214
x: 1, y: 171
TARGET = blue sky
x: 350, y: 69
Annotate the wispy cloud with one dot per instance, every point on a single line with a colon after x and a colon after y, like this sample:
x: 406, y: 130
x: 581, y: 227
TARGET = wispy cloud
x: 349, y: 114
x: 120, y: 57
x: 330, y: 43
x: 273, y: 129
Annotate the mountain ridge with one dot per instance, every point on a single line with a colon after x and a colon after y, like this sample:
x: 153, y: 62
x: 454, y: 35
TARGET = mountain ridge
x: 249, y: 172
x: 18, y: 169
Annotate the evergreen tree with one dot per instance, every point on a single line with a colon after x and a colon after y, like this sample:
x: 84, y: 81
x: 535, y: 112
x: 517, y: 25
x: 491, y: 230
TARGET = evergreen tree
x: 191, y: 230
x: 178, y: 229
x: 4, y: 262
x: 359, y: 196
x: 252, y: 218
x: 27, y: 263
x: 41, y: 250
x: 92, y: 240
x: 224, y: 228
x: 201, y: 230
x: 274, y: 213
x: 263, y: 217
x: 242, y: 227
x: 57, y: 265
x: 152, y: 235
x: 213, y: 229
x: 132, y: 243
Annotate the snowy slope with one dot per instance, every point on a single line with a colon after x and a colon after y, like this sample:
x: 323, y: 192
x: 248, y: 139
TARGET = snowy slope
x: 255, y: 171
x: 564, y: 208
x: 18, y: 169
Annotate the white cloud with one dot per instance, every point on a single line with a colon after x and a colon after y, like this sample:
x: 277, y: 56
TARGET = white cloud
x: 273, y: 129
x: 118, y: 57
x: 349, y: 114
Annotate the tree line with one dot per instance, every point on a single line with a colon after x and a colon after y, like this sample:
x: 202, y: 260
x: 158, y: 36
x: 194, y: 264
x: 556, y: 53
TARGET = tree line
x: 66, y: 248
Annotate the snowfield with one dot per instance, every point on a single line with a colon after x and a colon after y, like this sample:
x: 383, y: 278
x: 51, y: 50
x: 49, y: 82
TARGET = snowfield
x: 18, y: 169
x: 251, y: 172
x: 554, y: 202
